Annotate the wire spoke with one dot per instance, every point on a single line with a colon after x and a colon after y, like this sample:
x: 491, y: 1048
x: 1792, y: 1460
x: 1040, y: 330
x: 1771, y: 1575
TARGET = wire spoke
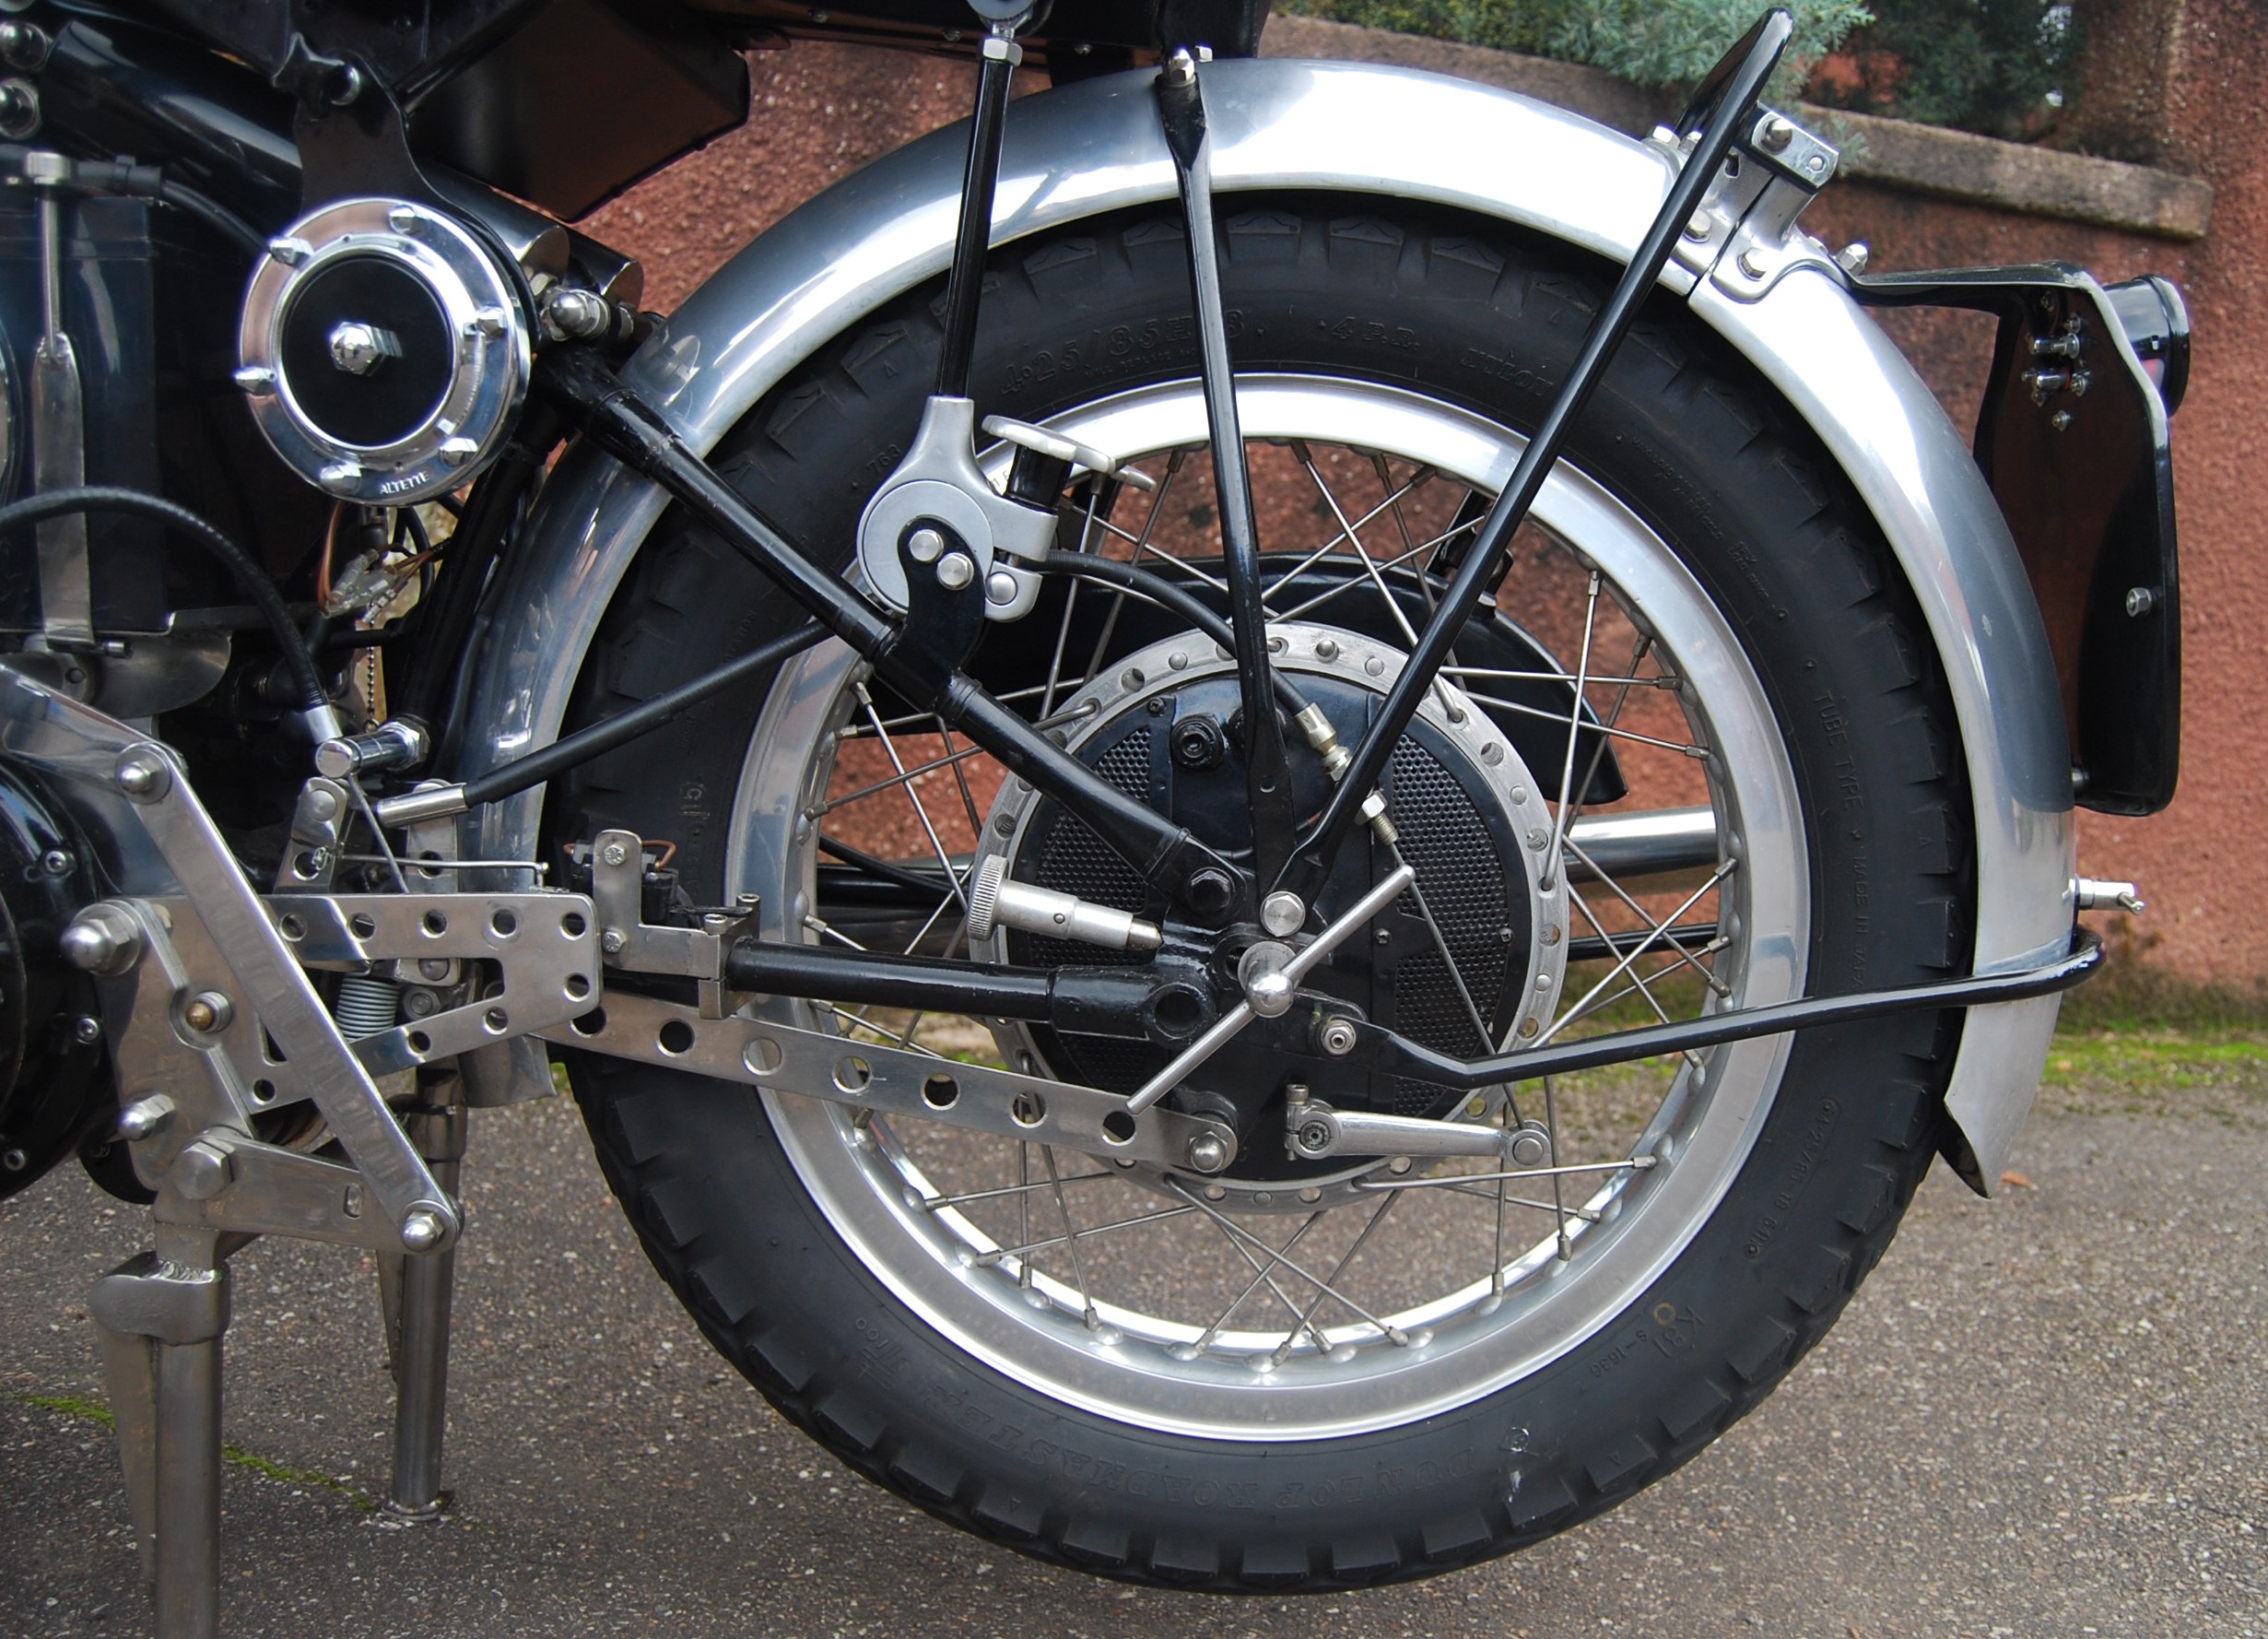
x: 1521, y: 708
x: 938, y: 1203
x: 936, y: 847
x: 1328, y: 1288
x: 1347, y: 533
x: 1071, y: 1237
x: 1659, y: 930
x: 1262, y: 1274
x: 1323, y: 551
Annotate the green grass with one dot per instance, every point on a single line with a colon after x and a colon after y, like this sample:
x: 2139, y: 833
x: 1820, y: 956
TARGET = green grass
x: 266, y: 1468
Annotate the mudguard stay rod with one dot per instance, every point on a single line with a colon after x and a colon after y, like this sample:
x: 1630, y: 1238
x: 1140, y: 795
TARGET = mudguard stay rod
x: 1735, y: 84
x: 1180, y: 107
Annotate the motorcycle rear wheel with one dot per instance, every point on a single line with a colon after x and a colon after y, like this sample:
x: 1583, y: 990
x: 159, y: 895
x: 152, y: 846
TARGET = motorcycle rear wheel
x: 886, y: 1287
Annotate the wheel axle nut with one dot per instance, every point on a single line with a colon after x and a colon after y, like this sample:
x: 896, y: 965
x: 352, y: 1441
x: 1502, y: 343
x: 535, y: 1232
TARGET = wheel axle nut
x: 1208, y: 1152
x: 1528, y: 1149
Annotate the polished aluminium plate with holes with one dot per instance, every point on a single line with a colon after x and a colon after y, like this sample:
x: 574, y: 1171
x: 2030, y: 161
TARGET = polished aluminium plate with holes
x: 890, y: 1080
x: 544, y: 944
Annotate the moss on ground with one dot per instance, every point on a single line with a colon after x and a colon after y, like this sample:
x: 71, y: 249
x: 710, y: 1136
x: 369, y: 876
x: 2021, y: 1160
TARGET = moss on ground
x: 89, y: 1410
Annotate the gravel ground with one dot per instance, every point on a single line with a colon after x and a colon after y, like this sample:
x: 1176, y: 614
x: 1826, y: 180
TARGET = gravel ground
x: 2042, y: 1416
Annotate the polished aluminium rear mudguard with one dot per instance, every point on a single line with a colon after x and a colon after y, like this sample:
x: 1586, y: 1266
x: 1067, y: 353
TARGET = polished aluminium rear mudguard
x: 1096, y: 146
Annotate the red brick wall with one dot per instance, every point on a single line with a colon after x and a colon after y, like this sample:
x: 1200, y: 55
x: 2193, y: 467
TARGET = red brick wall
x: 824, y: 111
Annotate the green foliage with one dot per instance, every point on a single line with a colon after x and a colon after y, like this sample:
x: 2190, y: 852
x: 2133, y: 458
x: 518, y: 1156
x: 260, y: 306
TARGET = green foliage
x: 1994, y: 66
x: 1653, y: 42
x: 1673, y: 43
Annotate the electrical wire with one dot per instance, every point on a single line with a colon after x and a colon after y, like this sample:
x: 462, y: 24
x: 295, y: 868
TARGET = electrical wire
x: 109, y: 498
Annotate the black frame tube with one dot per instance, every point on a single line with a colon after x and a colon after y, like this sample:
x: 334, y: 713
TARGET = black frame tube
x: 1756, y: 56
x: 573, y: 750
x: 980, y: 179
x: 1267, y: 775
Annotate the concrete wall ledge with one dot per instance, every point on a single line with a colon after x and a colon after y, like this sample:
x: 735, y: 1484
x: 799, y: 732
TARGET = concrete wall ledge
x: 1896, y: 153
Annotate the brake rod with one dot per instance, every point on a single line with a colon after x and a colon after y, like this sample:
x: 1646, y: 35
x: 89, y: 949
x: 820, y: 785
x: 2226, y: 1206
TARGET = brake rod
x: 1383, y: 1050
x: 1484, y: 562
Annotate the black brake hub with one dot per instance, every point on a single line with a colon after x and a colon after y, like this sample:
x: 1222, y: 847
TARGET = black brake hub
x: 1173, y: 738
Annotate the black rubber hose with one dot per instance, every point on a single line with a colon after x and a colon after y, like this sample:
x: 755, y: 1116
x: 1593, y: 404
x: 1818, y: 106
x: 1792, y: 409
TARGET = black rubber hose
x: 1169, y: 597
x: 213, y: 214
x: 108, y: 498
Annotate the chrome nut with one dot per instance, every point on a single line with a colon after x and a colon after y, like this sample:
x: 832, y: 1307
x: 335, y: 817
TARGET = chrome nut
x: 203, y: 1170
x: 101, y: 939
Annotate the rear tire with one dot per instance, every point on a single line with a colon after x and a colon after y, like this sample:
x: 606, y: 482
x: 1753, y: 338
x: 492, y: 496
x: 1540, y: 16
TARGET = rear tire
x: 1466, y: 315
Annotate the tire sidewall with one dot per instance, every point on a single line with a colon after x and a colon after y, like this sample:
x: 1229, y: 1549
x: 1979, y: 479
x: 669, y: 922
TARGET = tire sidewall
x: 1680, y: 432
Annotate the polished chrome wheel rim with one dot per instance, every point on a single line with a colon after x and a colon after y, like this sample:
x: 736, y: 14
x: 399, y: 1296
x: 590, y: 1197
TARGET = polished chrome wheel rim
x: 1172, y: 1312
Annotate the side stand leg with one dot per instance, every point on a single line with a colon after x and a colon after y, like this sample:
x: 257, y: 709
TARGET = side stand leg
x: 421, y: 1344
x: 160, y: 1317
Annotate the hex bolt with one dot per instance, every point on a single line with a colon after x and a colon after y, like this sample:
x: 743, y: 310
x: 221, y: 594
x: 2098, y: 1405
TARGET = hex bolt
x: 433, y: 967
x: 1698, y: 227
x: 1208, y: 1152
x: 420, y: 1004
x: 146, y: 1117
x: 142, y: 775
x: 402, y: 218
x: 202, y: 1171
x: 290, y: 252
x: 1776, y: 135
x: 1210, y: 892
x: 2140, y: 601
x: 614, y: 853
x: 207, y: 1012
x: 612, y: 941
x: 956, y: 570
x: 925, y: 544
x: 1752, y: 265
x: 1282, y: 912
x: 423, y: 1230
x: 1336, y: 1037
